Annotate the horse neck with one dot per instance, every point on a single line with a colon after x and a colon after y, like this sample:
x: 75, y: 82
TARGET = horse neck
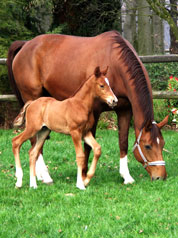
x: 87, y: 94
x: 141, y: 102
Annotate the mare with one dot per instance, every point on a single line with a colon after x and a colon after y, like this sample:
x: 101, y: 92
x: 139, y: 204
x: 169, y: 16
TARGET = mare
x: 73, y: 116
x: 55, y: 65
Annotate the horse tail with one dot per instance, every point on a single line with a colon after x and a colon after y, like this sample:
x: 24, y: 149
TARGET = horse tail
x: 20, y: 119
x: 13, y: 50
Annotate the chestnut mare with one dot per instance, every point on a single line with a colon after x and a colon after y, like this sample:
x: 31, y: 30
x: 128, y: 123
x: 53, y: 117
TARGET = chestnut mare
x: 72, y: 116
x: 56, y: 65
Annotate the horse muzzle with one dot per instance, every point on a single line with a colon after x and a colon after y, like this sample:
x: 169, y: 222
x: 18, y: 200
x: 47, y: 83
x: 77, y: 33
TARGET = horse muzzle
x: 112, y: 101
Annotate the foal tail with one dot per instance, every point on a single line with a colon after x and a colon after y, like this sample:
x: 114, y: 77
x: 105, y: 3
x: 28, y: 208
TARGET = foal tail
x: 20, y: 119
x: 13, y: 50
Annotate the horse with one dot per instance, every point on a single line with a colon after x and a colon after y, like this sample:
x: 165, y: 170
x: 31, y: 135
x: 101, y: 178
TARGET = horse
x: 73, y: 116
x: 55, y: 65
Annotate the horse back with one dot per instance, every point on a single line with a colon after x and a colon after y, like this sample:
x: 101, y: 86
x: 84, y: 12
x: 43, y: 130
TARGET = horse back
x: 58, y: 63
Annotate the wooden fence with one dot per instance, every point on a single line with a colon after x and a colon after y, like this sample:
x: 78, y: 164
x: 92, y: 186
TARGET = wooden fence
x: 144, y: 59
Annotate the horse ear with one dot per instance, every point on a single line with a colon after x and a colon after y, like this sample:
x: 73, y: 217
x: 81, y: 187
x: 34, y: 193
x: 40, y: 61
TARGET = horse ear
x: 163, y: 122
x: 97, y: 72
x: 104, y: 72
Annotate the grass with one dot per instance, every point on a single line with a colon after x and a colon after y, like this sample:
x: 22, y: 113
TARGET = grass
x: 106, y: 209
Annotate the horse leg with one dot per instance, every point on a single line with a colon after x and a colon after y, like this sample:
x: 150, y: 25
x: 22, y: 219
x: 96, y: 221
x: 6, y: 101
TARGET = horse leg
x: 34, y: 153
x: 124, y: 116
x: 16, y: 144
x: 42, y: 173
x: 90, y: 140
x: 80, y: 158
x: 87, y: 148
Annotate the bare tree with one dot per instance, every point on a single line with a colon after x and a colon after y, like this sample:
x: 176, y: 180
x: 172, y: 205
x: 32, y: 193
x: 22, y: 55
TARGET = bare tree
x: 168, y: 12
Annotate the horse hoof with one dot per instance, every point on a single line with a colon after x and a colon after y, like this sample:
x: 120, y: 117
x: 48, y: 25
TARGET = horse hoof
x: 81, y: 187
x: 48, y: 183
x: 129, y: 181
x: 86, y: 181
x: 16, y: 187
x: 33, y: 187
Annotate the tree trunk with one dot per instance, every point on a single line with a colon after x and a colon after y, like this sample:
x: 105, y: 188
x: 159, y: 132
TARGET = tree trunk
x: 174, y: 15
x: 144, y: 28
x: 158, y: 34
x: 129, y: 26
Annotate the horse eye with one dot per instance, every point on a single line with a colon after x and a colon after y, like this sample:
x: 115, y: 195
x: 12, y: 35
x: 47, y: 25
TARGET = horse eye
x: 148, y: 147
x: 101, y: 86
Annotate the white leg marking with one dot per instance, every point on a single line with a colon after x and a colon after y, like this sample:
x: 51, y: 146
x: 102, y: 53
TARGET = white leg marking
x: 80, y: 183
x: 33, y: 183
x: 124, y: 171
x: 42, y: 171
x: 19, y: 176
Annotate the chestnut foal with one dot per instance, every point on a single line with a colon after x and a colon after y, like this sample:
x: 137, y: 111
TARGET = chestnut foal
x: 72, y: 116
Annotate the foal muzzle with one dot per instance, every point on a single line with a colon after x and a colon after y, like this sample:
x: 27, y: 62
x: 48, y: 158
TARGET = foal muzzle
x: 112, y: 101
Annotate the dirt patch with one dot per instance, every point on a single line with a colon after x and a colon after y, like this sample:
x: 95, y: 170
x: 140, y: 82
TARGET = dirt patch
x: 8, y: 112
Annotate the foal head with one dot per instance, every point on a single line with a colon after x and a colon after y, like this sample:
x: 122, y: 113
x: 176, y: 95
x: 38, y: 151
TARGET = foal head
x: 102, y: 87
x: 148, y: 149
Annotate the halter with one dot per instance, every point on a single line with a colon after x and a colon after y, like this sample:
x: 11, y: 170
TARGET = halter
x: 158, y: 162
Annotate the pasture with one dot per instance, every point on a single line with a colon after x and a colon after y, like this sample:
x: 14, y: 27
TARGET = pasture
x: 106, y: 209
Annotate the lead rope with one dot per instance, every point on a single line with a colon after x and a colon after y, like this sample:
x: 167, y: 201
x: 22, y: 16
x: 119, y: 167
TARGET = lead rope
x: 137, y: 144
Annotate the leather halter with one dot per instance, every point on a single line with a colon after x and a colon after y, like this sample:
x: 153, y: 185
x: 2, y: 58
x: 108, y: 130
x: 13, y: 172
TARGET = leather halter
x: 147, y: 163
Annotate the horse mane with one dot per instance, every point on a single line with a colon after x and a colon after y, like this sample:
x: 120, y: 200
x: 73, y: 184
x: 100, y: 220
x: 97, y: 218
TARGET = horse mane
x: 137, y: 76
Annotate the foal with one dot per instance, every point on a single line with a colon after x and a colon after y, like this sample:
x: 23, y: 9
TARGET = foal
x: 73, y: 116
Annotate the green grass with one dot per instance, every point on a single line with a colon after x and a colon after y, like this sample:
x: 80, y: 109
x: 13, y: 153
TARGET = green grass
x: 106, y: 209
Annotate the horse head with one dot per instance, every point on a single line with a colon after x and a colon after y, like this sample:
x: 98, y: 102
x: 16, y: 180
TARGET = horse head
x: 102, y: 87
x: 148, y: 149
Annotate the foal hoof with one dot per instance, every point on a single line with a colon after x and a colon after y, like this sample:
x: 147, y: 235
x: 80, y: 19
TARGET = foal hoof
x: 81, y: 186
x: 86, y: 181
x: 18, y: 185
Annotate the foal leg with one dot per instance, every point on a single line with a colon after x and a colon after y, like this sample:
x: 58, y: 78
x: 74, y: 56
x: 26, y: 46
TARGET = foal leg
x: 124, y: 117
x: 87, y: 148
x: 90, y: 140
x: 34, y: 152
x: 80, y: 158
x: 16, y: 144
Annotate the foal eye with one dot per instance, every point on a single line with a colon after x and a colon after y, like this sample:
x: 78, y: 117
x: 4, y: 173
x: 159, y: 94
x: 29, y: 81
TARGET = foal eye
x: 101, y: 86
x: 148, y: 147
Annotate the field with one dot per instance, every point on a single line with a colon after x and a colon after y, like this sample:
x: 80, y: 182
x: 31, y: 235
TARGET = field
x: 106, y: 209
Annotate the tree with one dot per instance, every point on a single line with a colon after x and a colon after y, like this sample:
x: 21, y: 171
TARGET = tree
x: 169, y: 14
x: 87, y: 18
x: 130, y: 25
x: 144, y: 28
x: 12, y: 25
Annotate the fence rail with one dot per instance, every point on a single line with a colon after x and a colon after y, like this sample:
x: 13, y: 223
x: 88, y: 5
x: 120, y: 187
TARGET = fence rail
x: 144, y: 59
x: 156, y: 95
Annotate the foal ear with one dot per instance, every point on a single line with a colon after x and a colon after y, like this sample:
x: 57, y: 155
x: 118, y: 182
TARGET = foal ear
x: 104, y: 72
x: 163, y: 122
x: 97, y: 72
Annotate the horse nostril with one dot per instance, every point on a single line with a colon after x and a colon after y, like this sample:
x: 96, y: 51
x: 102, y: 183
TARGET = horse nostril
x: 156, y: 178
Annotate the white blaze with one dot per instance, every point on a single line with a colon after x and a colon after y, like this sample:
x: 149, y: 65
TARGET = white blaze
x: 107, y: 81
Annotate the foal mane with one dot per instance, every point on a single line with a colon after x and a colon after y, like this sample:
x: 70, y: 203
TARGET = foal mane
x: 81, y: 85
x: 137, y: 76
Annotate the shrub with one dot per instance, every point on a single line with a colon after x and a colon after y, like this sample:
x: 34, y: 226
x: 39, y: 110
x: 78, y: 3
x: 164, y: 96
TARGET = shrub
x: 159, y: 74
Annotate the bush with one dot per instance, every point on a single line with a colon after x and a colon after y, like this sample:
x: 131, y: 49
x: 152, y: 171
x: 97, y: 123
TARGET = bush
x: 159, y: 74
x: 5, y: 87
